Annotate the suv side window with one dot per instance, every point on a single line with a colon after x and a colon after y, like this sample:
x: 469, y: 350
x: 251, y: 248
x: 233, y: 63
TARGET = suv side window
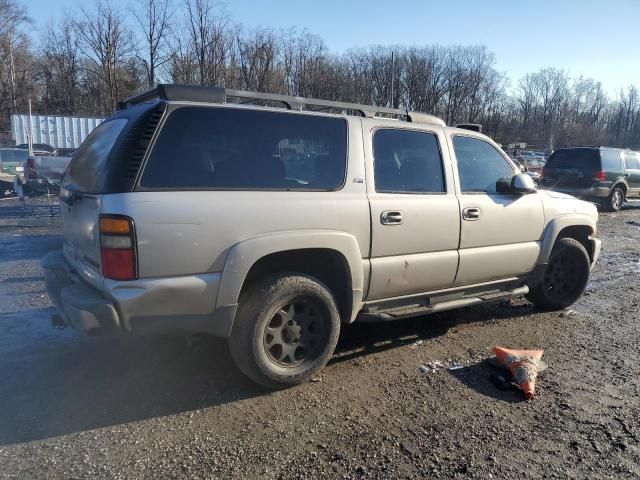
x: 407, y: 161
x: 234, y: 148
x: 480, y: 165
x: 633, y: 163
x: 611, y: 160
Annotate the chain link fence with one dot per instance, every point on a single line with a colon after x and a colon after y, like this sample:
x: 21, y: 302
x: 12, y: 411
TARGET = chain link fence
x: 5, y: 139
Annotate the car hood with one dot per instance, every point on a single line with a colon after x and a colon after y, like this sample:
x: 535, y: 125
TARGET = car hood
x: 557, y: 204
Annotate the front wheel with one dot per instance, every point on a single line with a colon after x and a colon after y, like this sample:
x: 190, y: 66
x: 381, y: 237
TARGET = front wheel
x: 286, y: 330
x: 565, y: 277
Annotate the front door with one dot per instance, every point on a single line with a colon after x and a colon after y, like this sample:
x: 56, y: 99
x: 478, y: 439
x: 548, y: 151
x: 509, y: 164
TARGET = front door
x: 500, y: 233
x: 415, y: 219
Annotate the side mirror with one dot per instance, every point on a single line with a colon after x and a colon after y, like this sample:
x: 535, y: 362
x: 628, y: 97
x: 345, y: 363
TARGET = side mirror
x: 520, y: 183
x: 523, y: 183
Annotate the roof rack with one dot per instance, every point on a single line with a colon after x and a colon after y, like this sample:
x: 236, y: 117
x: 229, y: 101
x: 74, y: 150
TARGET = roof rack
x: 196, y: 93
x: 474, y: 127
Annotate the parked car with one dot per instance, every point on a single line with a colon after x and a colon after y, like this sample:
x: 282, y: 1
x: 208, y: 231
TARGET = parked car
x: 272, y: 227
x: 11, y: 165
x: 535, y: 164
x: 606, y: 176
x: 66, y: 152
x: 40, y: 149
x: 43, y: 174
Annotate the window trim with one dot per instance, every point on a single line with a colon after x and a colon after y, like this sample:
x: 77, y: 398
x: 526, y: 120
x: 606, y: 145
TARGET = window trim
x: 445, y: 182
x: 172, y: 107
x: 514, y: 168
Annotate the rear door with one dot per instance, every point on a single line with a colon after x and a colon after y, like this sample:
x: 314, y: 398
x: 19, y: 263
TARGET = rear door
x: 500, y: 233
x: 415, y: 220
x: 632, y: 172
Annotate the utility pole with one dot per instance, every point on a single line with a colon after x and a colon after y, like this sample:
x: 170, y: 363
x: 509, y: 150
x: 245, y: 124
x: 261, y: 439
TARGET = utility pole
x: 30, y: 132
x: 393, y: 67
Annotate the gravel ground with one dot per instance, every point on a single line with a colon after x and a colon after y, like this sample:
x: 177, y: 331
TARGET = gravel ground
x: 74, y: 406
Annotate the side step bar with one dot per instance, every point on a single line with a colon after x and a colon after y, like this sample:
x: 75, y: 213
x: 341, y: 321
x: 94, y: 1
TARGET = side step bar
x: 416, y: 310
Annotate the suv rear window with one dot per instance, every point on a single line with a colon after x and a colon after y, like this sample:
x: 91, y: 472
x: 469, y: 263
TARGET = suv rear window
x: 87, y: 169
x: 230, y: 148
x: 586, y: 159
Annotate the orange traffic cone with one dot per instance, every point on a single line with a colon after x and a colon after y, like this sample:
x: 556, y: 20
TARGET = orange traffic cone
x: 523, y: 365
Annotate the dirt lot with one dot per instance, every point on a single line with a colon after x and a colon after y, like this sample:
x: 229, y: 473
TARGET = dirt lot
x: 73, y: 406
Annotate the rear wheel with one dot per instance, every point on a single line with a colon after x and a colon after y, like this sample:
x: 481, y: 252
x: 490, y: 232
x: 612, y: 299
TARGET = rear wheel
x: 286, y: 330
x: 615, y: 200
x: 564, y: 278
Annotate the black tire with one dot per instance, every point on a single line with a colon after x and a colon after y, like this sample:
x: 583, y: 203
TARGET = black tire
x: 615, y: 200
x: 565, y: 277
x: 285, y: 331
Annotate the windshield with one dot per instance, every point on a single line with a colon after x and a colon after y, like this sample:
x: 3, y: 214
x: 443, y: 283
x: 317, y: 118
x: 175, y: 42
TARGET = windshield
x: 88, y: 166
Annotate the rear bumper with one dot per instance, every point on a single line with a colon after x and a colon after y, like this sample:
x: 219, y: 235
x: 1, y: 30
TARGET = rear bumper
x: 160, y: 305
x: 583, y: 193
x: 79, y: 305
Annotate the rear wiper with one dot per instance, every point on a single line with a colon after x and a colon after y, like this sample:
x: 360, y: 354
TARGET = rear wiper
x: 70, y: 196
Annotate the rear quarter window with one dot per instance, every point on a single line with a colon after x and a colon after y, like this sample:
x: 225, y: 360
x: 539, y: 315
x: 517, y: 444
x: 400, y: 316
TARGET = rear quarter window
x: 87, y: 169
x: 611, y: 160
x: 231, y: 148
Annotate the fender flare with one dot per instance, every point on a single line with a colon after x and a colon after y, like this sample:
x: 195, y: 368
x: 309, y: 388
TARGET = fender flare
x: 243, y: 255
x: 622, y: 184
x: 555, y: 226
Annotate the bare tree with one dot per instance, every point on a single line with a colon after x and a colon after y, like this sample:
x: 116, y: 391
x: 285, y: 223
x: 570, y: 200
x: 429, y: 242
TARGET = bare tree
x: 153, y: 18
x: 108, y: 45
x: 87, y: 64
x: 12, y: 18
x: 60, y: 69
x: 257, y: 53
x: 208, y: 23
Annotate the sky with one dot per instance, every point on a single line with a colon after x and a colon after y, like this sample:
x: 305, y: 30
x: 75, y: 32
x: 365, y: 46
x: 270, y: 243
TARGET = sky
x: 598, y: 39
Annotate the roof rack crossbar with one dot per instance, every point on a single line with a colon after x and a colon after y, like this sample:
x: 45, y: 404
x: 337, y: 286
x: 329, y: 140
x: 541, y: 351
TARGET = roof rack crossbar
x: 219, y: 95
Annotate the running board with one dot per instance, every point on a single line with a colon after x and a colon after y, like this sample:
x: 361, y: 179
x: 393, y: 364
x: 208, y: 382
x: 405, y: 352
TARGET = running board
x: 416, y: 309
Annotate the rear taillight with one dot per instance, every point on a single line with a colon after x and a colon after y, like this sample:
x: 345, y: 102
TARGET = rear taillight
x: 118, y: 247
x: 600, y: 176
x: 542, y: 173
x: 31, y: 168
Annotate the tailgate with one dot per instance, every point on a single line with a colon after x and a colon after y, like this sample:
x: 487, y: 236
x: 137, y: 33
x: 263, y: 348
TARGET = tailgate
x: 80, y: 229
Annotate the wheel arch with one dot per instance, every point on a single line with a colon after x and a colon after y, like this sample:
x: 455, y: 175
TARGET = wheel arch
x: 311, y: 252
x: 621, y: 184
x: 578, y: 226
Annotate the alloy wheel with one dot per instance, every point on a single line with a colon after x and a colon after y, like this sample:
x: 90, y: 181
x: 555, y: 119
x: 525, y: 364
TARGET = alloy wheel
x: 296, y: 333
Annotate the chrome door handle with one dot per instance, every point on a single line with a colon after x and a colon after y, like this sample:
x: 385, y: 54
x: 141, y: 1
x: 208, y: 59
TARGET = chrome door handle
x: 471, y: 213
x: 391, y: 217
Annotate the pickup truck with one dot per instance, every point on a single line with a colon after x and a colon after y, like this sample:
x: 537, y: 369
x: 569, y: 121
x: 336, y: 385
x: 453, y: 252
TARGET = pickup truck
x: 44, y: 173
x: 273, y: 220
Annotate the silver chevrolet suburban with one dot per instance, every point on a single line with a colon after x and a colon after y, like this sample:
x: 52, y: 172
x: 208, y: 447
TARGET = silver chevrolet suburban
x: 272, y: 220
